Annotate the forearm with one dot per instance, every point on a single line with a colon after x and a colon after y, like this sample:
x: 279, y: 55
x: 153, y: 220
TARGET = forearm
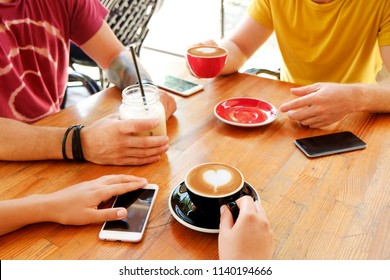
x: 20, y: 212
x: 236, y: 58
x: 247, y: 38
x: 122, y: 72
x: 374, y: 98
x: 20, y: 141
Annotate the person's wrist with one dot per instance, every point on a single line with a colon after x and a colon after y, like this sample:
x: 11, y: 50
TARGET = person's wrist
x: 40, y: 208
x: 71, y: 143
x: 50, y: 207
x: 361, y: 98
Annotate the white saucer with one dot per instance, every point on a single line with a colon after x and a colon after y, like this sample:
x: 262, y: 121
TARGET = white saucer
x: 185, y: 212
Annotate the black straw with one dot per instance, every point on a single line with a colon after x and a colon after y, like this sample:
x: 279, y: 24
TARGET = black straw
x: 138, y: 76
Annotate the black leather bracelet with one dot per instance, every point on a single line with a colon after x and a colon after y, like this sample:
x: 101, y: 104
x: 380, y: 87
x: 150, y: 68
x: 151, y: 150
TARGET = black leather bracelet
x: 77, y: 149
x: 64, y: 141
x: 80, y: 147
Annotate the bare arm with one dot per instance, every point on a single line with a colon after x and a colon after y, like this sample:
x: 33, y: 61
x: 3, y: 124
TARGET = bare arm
x: 117, y: 61
x: 244, y: 42
x: 76, y: 205
x: 27, y: 142
x: 19, y: 141
x: 378, y: 96
x: 322, y: 104
x: 122, y: 72
x: 112, y: 56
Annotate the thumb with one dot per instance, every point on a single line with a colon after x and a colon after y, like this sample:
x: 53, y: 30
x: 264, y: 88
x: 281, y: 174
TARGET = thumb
x: 305, y: 90
x: 111, y: 214
x: 226, y: 221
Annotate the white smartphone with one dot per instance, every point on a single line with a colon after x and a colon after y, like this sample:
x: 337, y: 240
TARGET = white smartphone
x: 179, y: 86
x: 139, y: 204
x: 329, y: 144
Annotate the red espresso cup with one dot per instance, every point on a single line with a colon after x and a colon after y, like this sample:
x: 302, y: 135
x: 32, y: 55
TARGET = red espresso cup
x: 206, y: 61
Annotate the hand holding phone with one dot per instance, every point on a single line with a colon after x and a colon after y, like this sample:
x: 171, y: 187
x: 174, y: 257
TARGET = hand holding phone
x: 329, y: 144
x: 139, y: 204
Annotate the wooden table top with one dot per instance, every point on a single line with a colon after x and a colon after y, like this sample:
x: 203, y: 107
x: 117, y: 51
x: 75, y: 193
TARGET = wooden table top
x: 334, y: 207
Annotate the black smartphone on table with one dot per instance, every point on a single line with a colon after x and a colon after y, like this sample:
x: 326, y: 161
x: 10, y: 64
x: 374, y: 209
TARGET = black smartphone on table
x: 329, y: 144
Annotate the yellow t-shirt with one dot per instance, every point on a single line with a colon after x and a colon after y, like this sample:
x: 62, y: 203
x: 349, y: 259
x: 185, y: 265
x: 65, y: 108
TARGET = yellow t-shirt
x: 332, y: 42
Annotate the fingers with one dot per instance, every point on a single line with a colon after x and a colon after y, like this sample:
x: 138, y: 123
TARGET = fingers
x: 113, y: 185
x: 310, y: 109
x: 246, y: 204
x: 206, y: 42
x: 135, y: 161
x: 260, y: 209
x: 168, y: 102
x: 144, y: 142
x: 304, y: 100
x: 118, y: 189
x: 146, y: 151
x: 252, y: 212
x: 134, y: 126
x: 110, y: 214
x: 226, y: 220
x: 209, y: 43
x: 295, y: 104
x: 119, y: 178
x: 138, y: 156
x: 306, y: 113
x: 305, y: 90
x: 137, y: 125
x: 314, y: 122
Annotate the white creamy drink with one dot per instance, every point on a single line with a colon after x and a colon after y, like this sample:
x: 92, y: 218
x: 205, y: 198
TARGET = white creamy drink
x: 136, y: 106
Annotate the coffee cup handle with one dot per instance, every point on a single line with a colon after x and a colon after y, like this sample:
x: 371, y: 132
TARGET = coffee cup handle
x: 233, y: 209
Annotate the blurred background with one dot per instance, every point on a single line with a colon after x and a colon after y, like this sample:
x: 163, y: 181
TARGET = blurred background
x: 178, y: 24
x: 181, y: 23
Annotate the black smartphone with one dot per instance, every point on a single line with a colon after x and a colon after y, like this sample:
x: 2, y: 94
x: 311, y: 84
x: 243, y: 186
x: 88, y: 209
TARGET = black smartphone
x: 139, y: 205
x: 329, y: 144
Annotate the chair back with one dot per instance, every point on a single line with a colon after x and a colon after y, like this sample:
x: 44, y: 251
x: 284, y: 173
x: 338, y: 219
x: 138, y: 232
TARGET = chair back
x: 129, y: 20
x: 109, y: 4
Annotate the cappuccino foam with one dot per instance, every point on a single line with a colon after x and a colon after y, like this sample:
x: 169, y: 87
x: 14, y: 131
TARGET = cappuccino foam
x: 214, y: 179
x: 207, y: 51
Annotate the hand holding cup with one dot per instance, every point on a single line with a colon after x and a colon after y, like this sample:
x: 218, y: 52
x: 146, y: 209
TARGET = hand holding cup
x: 213, y: 184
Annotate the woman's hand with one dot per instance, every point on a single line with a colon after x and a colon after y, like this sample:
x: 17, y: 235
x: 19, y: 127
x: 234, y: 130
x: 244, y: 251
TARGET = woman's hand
x: 78, y: 204
x: 250, y: 237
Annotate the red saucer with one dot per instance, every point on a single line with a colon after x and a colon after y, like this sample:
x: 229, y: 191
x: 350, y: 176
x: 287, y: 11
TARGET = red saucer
x: 245, y: 111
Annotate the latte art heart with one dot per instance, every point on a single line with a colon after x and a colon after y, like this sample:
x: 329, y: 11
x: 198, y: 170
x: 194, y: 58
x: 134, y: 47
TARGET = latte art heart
x: 217, y: 178
x: 214, y: 179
